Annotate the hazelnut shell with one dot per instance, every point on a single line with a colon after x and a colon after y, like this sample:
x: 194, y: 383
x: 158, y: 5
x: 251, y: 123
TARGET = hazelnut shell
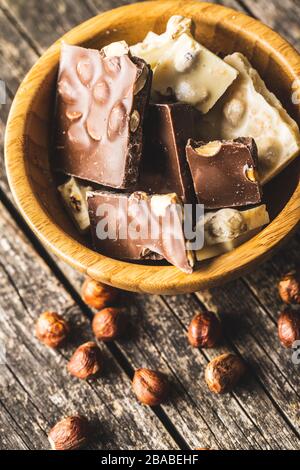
x: 51, y: 329
x: 289, y: 328
x: 224, y: 372
x: 69, y: 434
x: 109, y: 323
x: 98, y: 295
x: 86, y: 361
x: 204, y: 330
x: 289, y: 288
x: 150, y: 387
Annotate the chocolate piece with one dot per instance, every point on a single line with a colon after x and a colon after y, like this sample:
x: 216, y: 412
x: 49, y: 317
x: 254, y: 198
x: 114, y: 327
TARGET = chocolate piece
x: 226, y: 229
x: 73, y: 196
x: 183, y: 67
x: 224, y: 172
x: 248, y: 108
x: 101, y: 103
x: 164, y: 168
x: 137, y: 226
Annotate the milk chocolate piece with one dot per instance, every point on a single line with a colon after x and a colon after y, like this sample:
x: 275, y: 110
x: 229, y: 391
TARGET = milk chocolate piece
x: 140, y: 226
x: 164, y: 168
x: 101, y: 102
x: 224, y: 172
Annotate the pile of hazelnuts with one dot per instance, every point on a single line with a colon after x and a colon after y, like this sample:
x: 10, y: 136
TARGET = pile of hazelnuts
x: 149, y: 386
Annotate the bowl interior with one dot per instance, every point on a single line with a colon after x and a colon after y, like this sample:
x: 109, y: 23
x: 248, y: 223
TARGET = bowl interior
x: 218, y: 29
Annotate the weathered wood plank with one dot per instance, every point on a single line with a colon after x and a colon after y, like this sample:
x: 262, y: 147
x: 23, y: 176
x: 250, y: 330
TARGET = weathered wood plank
x: 28, y: 287
x: 47, y: 21
x: 263, y: 282
x: 164, y: 337
x: 137, y: 354
x: 11, y: 435
x: 253, y: 334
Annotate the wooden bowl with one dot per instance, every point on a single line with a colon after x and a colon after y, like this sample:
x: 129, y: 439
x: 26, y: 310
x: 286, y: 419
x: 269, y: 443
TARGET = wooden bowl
x: 27, y: 143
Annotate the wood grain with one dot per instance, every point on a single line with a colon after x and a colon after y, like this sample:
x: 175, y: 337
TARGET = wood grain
x: 262, y: 283
x: 37, y: 376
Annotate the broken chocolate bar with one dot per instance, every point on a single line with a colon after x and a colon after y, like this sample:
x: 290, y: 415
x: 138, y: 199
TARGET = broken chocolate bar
x: 101, y: 102
x: 248, y: 108
x: 164, y: 168
x: 226, y: 229
x: 184, y: 68
x: 224, y: 172
x: 73, y: 196
x: 139, y: 226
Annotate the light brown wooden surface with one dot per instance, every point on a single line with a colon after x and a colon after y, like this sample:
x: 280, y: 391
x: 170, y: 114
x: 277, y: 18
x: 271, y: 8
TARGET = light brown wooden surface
x: 263, y: 412
x: 218, y: 28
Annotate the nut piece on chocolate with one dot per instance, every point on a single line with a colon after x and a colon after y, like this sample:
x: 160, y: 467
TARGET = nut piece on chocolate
x: 164, y: 168
x: 224, y: 172
x: 139, y: 226
x: 100, y: 108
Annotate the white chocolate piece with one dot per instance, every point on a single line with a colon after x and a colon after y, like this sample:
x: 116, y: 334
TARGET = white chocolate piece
x: 154, y: 45
x: 223, y: 225
x: 74, y: 198
x: 227, y: 224
x: 183, y: 67
x: 224, y: 231
x: 249, y: 109
x: 116, y: 49
x: 192, y: 73
x: 220, y: 248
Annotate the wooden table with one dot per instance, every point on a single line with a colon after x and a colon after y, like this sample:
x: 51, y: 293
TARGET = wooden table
x: 35, y: 388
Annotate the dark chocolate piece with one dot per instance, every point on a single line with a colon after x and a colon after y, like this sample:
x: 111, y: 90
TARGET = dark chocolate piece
x: 140, y: 226
x: 224, y: 172
x: 101, y: 103
x: 164, y: 168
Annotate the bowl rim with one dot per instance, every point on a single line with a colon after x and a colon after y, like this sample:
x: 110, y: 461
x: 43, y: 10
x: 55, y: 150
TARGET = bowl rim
x: 121, y: 274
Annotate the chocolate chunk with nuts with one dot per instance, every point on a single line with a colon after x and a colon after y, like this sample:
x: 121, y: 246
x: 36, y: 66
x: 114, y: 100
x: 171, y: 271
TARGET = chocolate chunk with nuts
x: 224, y: 172
x: 139, y: 226
x: 101, y: 102
x: 164, y: 168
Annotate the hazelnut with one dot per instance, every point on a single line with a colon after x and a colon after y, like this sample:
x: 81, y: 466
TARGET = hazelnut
x: 70, y: 433
x: 289, y: 287
x: 109, y: 323
x: 86, y: 361
x: 98, y: 295
x: 150, y: 387
x: 224, y: 372
x: 289, y: 328
x: 251, y: 174
x: 209, y: 150
x: 204, y: 330
x: 135, y: 120
x: 51, y: 329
